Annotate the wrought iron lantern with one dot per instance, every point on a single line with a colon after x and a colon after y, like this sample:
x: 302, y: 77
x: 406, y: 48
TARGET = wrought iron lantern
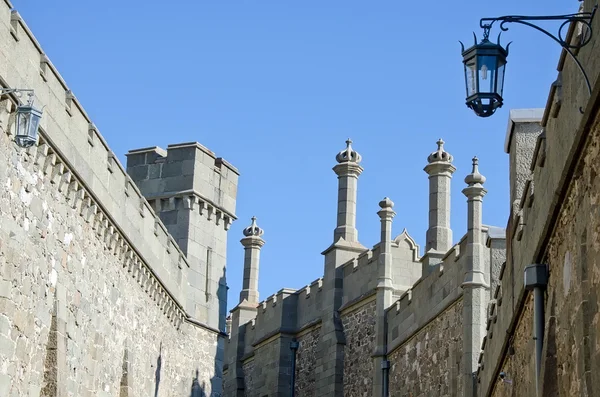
x: 28, y: 121
x: 485, y: 62
x: 484, y: 75
x: 27, y: 118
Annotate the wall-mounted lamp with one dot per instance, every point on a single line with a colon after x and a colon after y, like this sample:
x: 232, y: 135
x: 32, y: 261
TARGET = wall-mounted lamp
x: 485, y: 62
x: 27, y: 120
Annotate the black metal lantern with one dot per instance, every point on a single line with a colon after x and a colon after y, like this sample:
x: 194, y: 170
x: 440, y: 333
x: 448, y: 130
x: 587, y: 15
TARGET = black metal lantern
x: 484, y: 75
x: 27, y: 123
x: 485, y: 62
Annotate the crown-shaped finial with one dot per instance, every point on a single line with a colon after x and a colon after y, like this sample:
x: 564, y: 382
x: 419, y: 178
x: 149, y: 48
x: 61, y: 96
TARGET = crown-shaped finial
x: 475, y: 177
x: 253, y: 229
x: 348, y: 154
x: 440, y: 154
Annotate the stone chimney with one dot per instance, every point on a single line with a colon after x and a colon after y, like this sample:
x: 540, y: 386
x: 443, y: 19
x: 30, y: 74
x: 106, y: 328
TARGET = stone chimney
x: 440, y: 170
x: 348, y: 170
x: 524, y: 127
x: 476, y: 280
x: 252, y: 243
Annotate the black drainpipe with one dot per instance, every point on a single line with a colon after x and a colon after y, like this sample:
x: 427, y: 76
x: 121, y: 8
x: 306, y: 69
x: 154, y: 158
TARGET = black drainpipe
x: 385, y: 368
x: 294, y: 347
x: 536, y: 279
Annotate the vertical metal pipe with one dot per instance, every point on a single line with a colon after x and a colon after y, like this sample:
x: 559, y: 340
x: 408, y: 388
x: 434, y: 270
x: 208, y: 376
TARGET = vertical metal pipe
x: 538, y: 315
x: 536, y: 280
x: 385, y: 368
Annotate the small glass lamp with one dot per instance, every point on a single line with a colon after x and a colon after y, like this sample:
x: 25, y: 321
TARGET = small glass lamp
x: 484, y: 75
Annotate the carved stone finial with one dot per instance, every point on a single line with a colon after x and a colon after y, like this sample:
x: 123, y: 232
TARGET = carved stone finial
x: 386, y: 203
x: 475, y: 177
x: 440, y: 154
x: 253, y: 229
x: 348, y: 154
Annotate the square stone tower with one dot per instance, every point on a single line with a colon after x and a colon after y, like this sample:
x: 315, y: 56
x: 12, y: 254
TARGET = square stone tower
x: 194, y: 193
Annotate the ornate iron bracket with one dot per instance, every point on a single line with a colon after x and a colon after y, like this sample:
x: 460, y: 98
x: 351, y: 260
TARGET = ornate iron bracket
x: 584, y: 18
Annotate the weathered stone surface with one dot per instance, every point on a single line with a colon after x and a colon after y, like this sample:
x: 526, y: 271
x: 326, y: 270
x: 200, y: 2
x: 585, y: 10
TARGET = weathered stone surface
x: 71, y: 308
x: 572, y: 331
x: 359, y: 328
x: 519, y: 363
x: 248, y: 377
x: 305, y: 362
x: 429, y: 363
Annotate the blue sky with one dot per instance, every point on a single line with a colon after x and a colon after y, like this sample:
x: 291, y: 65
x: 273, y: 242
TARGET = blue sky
x: 276, y: 87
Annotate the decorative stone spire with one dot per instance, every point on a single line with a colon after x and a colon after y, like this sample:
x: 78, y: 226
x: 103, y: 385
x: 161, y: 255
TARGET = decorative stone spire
x: 440, y: 154
x: 253, y: 229
x: 440, y: 170
x: 348, y: 171
x: 386, y: 214
x: 252, y: 243
x: 348, y: 154
x: 476, y: 277
x: 475, y: 178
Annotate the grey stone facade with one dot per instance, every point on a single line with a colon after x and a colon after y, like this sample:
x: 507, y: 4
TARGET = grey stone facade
x: 359, y: 329
x: 305, y: 363
x: 429, y: 364
x: 371, y: 305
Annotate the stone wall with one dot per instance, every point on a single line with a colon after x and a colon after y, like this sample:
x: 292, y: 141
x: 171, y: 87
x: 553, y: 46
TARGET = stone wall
x: 359, y: 329
x: 519, y: 363
x: 305, y: 362
x: 248, y: 368
x: 428, y: 364
x: 263, y: 377
x: 572, y: 332
x: 77, y: 317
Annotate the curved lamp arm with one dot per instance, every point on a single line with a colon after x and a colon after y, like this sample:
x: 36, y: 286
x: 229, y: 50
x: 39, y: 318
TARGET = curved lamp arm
x: 584, y: 17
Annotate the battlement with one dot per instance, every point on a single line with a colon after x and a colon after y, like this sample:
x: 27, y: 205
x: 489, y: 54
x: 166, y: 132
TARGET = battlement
x: 434, y: 293
x: 186, y: 169
x: 275, y: 314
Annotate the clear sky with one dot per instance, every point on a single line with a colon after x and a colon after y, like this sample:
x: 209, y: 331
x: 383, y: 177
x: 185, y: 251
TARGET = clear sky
x: 276, y: 87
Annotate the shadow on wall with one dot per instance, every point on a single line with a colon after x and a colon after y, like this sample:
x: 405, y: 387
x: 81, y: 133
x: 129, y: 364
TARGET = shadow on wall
x: 216, y: 382
x: 197, y: 390
x: 158, y: 368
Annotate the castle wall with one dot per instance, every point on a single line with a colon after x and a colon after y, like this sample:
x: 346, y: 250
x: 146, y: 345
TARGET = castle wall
x: 249, y: 381
x: 520, y: 365
x: 428, y: 364
x: 359, y: 329
x: 269, y: 369
x: 360, y: 276
x: 305, y: 361
x: 427, y: 298
x: 78, y: 316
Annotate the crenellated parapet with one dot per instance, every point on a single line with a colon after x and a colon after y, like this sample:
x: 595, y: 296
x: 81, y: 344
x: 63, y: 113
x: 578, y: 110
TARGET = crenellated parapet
x: 189, y: 175
x: 433, y: 294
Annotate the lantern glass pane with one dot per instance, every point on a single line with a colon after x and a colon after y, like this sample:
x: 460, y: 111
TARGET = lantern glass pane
x: 500, y: 86
x: 34, y: 122
x: 487, y: 73
x: 22, y: 123
x: 470, y: 77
